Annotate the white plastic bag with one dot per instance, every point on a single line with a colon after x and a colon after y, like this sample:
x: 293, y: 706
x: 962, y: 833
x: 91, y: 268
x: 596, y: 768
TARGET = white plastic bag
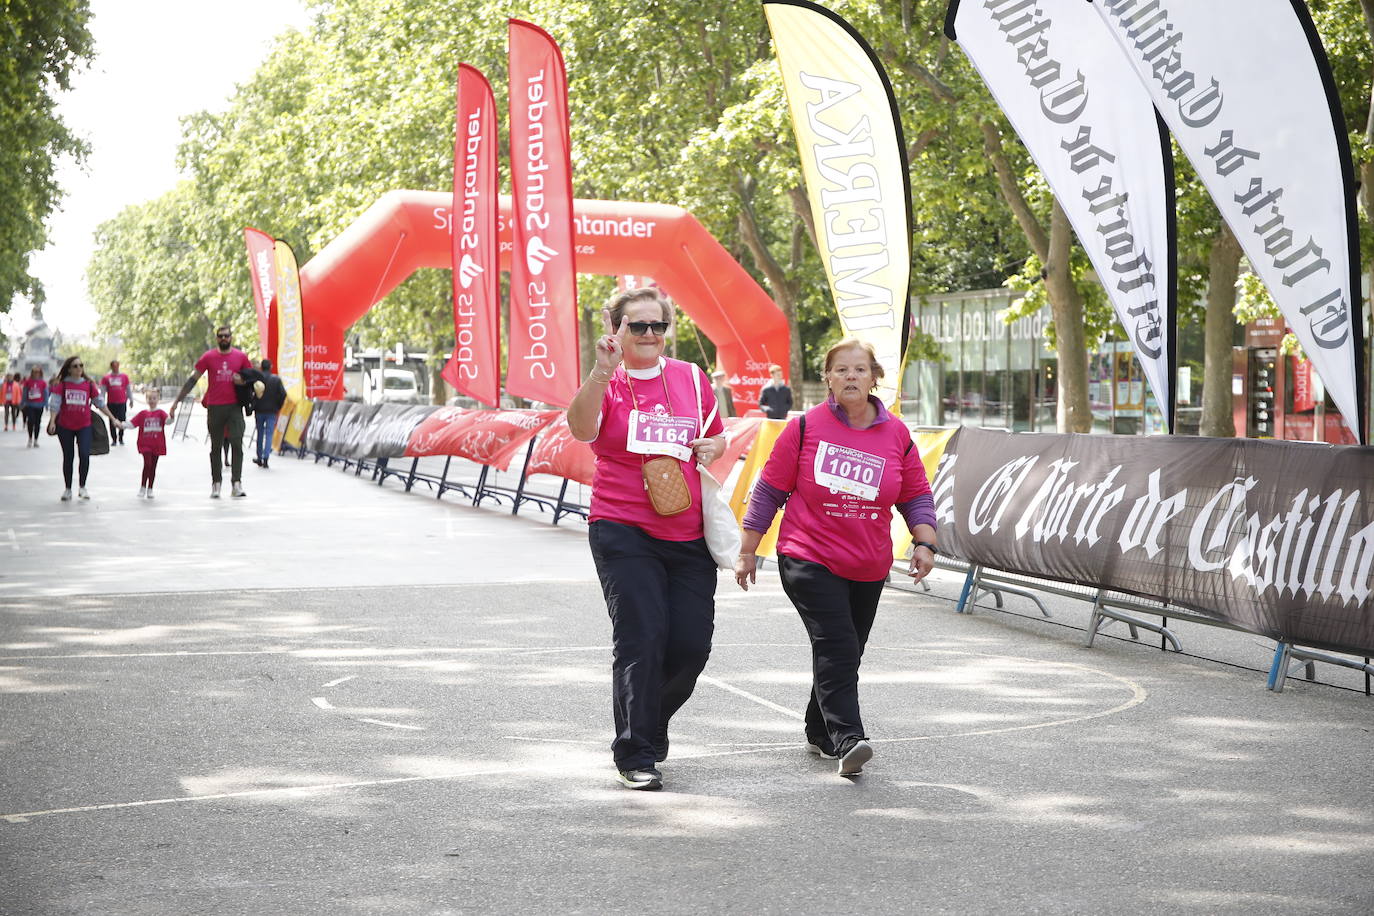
x: 723, y: 537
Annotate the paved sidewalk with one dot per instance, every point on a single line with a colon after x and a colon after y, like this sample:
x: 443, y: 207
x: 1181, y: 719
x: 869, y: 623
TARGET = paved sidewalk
x: 332, y: 697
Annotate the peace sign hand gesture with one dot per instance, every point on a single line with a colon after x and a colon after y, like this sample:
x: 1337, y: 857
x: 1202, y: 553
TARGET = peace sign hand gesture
x: 610, y: 347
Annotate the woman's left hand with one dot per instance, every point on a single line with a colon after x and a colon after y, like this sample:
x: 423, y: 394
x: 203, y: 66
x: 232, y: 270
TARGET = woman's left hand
x: 707, y: 450
x: 922, y: 562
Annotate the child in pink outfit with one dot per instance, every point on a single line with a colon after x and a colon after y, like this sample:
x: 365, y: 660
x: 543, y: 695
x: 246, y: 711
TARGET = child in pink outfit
x: 152, y: 441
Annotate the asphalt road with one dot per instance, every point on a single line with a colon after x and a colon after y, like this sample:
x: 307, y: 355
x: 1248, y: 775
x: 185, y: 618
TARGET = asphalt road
x: 332, y: 697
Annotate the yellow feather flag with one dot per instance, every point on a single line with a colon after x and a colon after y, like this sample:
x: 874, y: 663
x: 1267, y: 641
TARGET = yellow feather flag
x: 853, y: 158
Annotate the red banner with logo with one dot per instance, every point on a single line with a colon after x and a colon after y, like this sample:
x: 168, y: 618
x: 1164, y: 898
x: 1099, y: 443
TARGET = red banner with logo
x: 475, y: 366
x: 1304, y: 398
x: 435, y: 434
x: 490, y: 437
x: 542, y: 355
x: 557, y: 453
x: 262, y: 267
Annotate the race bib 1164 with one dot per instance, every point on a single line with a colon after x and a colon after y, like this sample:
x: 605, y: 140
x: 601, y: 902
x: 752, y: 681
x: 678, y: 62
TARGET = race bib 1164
x: 661, y: 434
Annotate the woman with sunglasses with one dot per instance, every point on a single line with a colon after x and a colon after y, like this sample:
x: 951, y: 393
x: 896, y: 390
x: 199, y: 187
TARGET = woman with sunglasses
x: 70, y: 401
x: 638, y: 408
x: 840, y: 469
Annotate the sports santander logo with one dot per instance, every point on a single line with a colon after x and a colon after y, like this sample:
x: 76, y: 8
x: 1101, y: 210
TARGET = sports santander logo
x: 468, y: 271
x: 537, y: 254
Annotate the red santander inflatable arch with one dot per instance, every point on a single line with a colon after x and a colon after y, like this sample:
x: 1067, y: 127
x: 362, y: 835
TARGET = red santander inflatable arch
x: 406, y: 230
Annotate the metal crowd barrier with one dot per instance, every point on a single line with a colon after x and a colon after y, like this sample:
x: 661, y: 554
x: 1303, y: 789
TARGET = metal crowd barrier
x: 487, y: 487
x: 1110, y: 607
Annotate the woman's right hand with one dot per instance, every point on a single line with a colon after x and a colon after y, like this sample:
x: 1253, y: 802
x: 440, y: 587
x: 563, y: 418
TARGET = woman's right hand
x: 746, y: 570
x: 610, y: 347
x: 52, y: 427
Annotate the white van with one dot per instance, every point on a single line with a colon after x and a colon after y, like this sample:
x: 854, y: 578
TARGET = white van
x: 399, y: 386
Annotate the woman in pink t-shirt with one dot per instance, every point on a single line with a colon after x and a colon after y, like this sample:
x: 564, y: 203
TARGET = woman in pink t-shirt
x: 71, y: 399
x: 656, y: 572
x: 13, y: 397
x: 35, y: 399
x: 841, y: 468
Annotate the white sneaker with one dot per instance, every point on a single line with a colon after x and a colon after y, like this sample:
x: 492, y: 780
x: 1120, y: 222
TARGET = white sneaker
x: 150, y: 492
x: 237, y: 490
x: 142, y: 492
x: 67, y: 495
x: 83, y: 493
x: 214, y: 491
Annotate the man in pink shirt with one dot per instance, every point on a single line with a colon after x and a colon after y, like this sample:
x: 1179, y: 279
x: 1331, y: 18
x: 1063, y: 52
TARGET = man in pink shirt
x: 116, y: 385
x: 222, y: 411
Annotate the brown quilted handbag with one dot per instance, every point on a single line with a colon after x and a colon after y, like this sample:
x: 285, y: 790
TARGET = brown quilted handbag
x: 667, y: 485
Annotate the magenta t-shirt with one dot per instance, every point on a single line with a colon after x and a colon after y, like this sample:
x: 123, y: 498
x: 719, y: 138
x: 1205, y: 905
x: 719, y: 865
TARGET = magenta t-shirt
x: 844, y: 485
x: 75, y: 400
x: 35, y: 392
x: 618, y: 493
x: 219, y: 369
x: 151, y: 426
x: 116, y: 385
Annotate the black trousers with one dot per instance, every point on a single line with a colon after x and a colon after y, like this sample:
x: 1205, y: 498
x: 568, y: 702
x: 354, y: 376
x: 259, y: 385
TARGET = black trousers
x: 76, y: 443
x: 33, y: 420
x: 838, y: 614
x: 120, y: 412
x: 661, y: 596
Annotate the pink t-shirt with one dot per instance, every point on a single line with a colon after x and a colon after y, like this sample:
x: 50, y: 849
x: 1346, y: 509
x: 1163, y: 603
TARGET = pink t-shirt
x: 152, y: 440
x: 618, y: 493
x: 35, y: 392
x: 844, y: 485
x: 74, y: 403
x: 116, y: 385
x: 219, y: 369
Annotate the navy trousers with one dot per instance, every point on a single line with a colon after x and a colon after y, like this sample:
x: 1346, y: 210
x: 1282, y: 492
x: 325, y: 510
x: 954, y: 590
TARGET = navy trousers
x: 838, y: 614
x: 661, y: 596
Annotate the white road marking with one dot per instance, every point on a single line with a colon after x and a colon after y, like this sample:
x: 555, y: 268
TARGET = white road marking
x: 14, y: 541
x: 338, y: 681
x: 414, y: 728
x: 749, y: 696
x: 1138, y: 696
x: 551, y: 740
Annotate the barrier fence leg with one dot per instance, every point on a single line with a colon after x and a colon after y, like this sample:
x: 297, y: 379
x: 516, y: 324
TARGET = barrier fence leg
x: 379, y: 471
x: 443, y: 480
x: 1278, y: 671
x: 524, y: 472
x: 410, y: 480
x: 970, y: 583
x: 558, y: 513
x: 481, y: 485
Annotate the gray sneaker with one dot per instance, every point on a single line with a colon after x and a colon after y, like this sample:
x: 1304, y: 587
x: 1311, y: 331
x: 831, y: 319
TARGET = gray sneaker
x: 214, y: 491
x: 236, y: 490
x: 852, y: 761
x: 648, y: 778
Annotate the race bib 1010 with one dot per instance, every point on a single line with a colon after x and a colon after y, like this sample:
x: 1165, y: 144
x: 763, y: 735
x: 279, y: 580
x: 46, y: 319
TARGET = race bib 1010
x: 848, y: 470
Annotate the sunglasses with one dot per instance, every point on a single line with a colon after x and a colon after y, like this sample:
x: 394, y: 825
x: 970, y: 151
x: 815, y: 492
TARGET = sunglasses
x: 640, y: 328
x: 225, y: 336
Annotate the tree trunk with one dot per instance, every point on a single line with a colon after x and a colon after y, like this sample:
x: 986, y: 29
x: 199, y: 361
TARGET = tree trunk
x: 1066, y: 305
x: 1223, y: 267
x: 783, y: 292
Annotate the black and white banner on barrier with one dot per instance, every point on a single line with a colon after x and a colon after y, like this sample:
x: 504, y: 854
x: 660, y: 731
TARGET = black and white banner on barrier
x: 344, y: 429
x: 1246, y: 88
x: 1273, y: 537
x: 1093, y: 131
